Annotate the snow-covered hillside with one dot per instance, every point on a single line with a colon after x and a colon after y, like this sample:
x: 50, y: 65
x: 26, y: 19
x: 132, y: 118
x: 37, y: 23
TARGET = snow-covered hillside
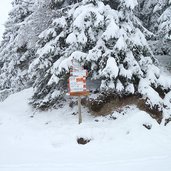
x: 47, y: 141
x: 117, y: 44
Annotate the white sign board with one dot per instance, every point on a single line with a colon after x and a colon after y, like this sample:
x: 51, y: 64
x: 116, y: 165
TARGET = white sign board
x: 79, y: 73
x: 77, y: 84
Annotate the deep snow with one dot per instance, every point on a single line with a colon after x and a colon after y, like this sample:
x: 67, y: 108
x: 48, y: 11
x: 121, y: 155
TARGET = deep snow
x: 46, y: 141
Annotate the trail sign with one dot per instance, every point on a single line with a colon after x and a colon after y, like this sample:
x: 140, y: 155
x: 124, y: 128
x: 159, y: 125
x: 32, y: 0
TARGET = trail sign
x: 77, y: 85
x: 77, y: 82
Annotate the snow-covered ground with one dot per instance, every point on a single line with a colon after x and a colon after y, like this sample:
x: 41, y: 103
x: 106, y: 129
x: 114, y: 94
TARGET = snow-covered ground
x: 47, y: 141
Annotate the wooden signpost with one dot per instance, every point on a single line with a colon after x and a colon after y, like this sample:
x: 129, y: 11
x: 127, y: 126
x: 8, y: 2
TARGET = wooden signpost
x: 77, y: 86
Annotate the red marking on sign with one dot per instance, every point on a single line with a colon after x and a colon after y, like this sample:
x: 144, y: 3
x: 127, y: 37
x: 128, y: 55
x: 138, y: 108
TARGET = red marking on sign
x: 77, y: 82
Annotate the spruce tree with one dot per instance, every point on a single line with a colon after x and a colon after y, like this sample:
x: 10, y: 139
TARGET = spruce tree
x: 164, y: 31
x: 106, y: 42
x: 27, y: 20
x: 150, y: 11
x: 104, y: 36
x: 155, y: 17
x: 12, y: 71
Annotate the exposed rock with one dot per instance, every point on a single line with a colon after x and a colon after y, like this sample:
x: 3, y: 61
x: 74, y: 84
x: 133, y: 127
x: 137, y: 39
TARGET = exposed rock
x: 83, y: 141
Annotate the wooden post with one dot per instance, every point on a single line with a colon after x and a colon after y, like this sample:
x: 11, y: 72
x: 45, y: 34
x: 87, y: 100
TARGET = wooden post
x: 79, y: 110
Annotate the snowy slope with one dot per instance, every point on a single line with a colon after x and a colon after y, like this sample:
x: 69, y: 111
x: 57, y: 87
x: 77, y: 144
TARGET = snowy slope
x: 46, y: 141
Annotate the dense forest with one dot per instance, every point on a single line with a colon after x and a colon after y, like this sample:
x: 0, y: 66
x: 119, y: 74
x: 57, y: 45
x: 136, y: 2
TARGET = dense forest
x: 115, y: 40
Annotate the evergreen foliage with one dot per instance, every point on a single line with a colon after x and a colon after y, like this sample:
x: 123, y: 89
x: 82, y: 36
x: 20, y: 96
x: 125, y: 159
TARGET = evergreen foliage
x: 26, y: 21
x: 13, y: 56
x: 155, y: 15
x: 105, y: 37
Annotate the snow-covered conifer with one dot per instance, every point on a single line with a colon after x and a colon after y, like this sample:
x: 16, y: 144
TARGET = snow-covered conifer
x: 164, y: 31
x: 27, y: 20
x: 104, y: 36
x: 12, y: 71
x: 155, y: 17
x: 103, y: 40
